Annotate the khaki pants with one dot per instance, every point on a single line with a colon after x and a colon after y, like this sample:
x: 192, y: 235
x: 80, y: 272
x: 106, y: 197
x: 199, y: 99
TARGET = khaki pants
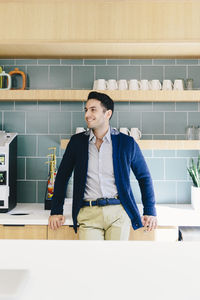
x: 109, y: 222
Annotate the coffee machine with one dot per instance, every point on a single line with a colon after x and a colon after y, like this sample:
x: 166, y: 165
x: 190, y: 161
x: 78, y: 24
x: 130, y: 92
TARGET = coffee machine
x: 8, y: 171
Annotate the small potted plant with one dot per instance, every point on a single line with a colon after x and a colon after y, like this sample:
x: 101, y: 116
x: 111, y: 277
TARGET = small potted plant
x: 194, y: 171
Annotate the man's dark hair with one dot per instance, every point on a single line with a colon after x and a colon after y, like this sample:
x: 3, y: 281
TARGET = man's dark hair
x: 105, y: 100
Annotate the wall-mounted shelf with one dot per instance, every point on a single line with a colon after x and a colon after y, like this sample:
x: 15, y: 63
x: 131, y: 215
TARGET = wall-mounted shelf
x: 81, y: 95
x: 159, y: 144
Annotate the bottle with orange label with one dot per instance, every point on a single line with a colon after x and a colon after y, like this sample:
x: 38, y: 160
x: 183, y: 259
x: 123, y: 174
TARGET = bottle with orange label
x: 51, y: 178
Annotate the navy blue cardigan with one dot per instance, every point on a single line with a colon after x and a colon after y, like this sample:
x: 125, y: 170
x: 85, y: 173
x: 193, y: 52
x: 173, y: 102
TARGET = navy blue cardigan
x: 126, y: 155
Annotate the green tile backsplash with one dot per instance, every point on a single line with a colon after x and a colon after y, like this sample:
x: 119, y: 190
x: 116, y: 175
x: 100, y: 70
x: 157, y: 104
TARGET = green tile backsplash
x: 42, y: 124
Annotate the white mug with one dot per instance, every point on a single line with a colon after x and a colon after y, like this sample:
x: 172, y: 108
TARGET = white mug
x: 122, y: 84
x: 136, y: 133
x: 134, y: 84
x: 167, y: 85
x: 179, y: 84
x: 112, y: 84
x: 80, y: 129
x: 124, y: 130
x: 99, y: 84
x: 155, y: 84
x: 144, y: 84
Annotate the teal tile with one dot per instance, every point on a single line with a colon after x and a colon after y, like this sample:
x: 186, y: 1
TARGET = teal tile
x: 187, y: 61
x: 114, y: 120
x: 37, y: 77
x: 129, y: 72
x: 129, y: 119
x: 194, y: 118
x: 37, y: 122
x: 5, y: 105
x: 26, y: 145
x: 60, y: 77
x: 78, y: 120
x: 62, y: 151
x: 26, y: 191
x: 94, y: 61
x: 49, y: 61
x: 175, y: 72
x: 152, y: 72
x: 175, y: 122
x: 147, y: 137
x: 147, y: 153
x: 156, y: 168
x: 72, y: 106
x: 121, y: 106
x: 49, y: 106
x: 36, y: 169
x: 106, y: 72
x: 183, y: 192
x: 59, y: 122
x: 164, y: 61
x: 14, y: 122
x: 1, y: 126
x: 176, y: 168
x: 20, y: 168
x: 7, y: 62
x: 136, y: 191
x: 26, y: 61
x: 187, y: 153
x: 166, y: 106
x: 164, y: 153
x: 180, y: 137
x: 163, y: 137
x: 141, y: 61
x: 71, y: 61
x: 152, y: 123
x: 141, y: 106
x: 26, y: 106
x: 118, y: 61
x: 42, y: 185
x: 83, y: 77
x: 47, y: 141
x: 165, y: 192
x: 187, y: 106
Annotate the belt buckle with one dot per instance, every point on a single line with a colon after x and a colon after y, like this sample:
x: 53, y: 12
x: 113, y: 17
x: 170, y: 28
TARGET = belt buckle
x: 90, y: 202
x: 99, y: 199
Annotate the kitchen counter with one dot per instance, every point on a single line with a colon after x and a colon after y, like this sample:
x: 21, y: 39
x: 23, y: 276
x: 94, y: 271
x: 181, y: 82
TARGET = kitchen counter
x: 97, y: 270
x: 168, y: 214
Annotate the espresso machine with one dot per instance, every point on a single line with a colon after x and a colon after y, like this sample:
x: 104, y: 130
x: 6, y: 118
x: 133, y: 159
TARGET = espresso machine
x: 8, y: 171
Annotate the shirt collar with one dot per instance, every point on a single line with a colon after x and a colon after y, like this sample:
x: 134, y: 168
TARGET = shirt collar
x: 106, y: 137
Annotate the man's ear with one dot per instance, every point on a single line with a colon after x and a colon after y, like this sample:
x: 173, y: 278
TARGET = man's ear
x: 109, y: 113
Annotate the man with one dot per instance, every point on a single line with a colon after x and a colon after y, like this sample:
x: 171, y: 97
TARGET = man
x: 101, y: 158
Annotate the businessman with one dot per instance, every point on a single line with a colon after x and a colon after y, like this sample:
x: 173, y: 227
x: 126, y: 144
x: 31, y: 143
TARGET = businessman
x: 101, y: 158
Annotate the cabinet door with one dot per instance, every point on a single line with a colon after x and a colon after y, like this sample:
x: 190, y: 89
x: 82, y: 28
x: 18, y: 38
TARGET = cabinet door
x: 63, y: 233
x: 161, y: 233
x: 33, y: 232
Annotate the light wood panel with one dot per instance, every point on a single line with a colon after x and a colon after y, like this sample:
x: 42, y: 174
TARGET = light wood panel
x: 100, y: 28
x: 160, y: 234
x: 117, y: 95
x: 63, y: 233
x: 158, y: 144
x: 33, y: 232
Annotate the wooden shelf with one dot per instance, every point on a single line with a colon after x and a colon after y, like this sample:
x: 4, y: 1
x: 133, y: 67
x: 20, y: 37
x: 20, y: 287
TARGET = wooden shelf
x: 159, y: 144
x: 81, y: 95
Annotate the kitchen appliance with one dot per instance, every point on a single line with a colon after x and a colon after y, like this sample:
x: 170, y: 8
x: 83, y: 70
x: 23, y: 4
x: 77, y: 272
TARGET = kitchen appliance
x: 8, y: 171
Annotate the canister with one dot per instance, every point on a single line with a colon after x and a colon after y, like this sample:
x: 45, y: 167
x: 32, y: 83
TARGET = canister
x: 4, y: 74
x: 16, y: 71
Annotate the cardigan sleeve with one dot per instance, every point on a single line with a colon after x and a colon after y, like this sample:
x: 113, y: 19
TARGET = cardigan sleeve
x: 62, y: 178
x: 142, y: 174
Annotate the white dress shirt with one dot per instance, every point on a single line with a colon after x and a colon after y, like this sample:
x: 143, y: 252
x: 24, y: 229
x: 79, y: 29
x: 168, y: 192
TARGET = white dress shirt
x: 100, y: 176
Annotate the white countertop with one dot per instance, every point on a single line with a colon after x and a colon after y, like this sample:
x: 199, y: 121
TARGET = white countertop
x: 168, y: 214
x: 99, y: 270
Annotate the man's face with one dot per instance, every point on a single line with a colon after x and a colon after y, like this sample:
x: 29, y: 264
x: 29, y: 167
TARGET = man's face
x: 96, y: 115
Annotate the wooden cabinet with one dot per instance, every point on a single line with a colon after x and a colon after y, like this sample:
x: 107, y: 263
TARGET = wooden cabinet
x: 32, y: 232
x: 160, y: 234
x: 94, y: 28
x: 63, y: 233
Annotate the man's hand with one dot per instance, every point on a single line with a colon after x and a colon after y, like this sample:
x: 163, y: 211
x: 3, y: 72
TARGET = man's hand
x: 150, y: 222
x: 56, y: 221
